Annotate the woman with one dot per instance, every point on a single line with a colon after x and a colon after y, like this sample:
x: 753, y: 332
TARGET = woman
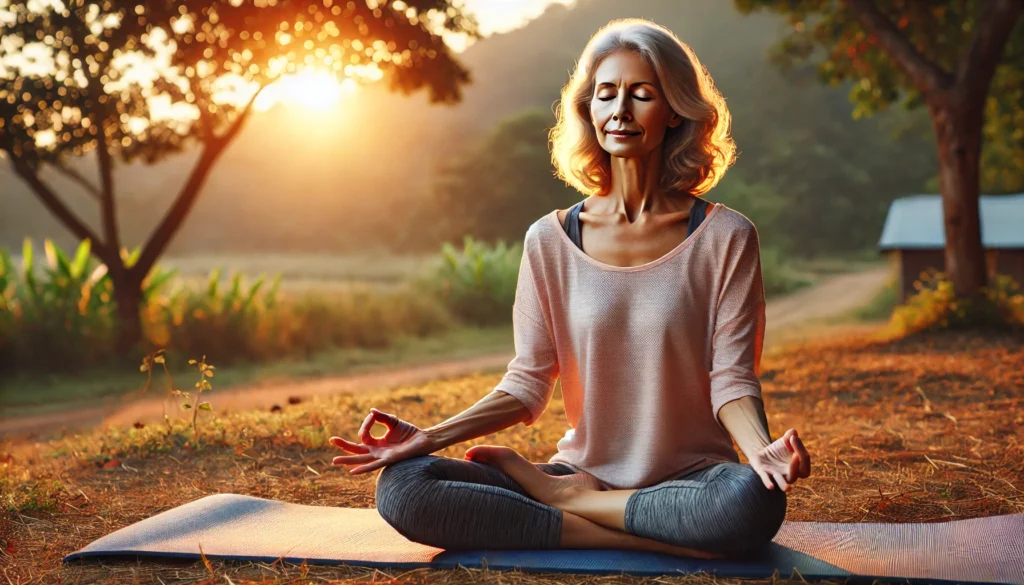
x: 652, y: 320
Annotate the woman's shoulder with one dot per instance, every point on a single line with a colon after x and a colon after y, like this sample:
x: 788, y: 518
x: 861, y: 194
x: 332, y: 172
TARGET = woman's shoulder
x: 543, y: 227
x: 730, y: 223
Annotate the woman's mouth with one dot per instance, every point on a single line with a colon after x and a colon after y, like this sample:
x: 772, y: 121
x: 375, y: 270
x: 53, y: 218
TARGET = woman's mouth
x: 619, y: 134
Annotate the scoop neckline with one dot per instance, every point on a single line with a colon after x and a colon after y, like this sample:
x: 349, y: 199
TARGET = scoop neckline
x: 564, y: 237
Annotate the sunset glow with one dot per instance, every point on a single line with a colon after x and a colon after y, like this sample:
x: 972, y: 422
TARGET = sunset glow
x: 316, y: 88
x: 310, y: 88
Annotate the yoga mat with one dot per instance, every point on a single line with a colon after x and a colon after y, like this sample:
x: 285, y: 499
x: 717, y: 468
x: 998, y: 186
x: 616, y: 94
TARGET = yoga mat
x: 237, y: 527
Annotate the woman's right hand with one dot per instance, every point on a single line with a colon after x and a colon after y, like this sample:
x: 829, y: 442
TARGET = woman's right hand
x: 402, y: 441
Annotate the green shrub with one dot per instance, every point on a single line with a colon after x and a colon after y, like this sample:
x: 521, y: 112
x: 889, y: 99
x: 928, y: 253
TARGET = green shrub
x: 60, y: 316
x: 935, y: 306
x: 778, y: 277
x: 478, y: 283
x: 882, y: 304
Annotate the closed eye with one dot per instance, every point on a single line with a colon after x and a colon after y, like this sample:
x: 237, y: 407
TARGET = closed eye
x: 639, y: 99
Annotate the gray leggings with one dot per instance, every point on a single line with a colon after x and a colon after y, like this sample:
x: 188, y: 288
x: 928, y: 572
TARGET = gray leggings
x: 459, y: 504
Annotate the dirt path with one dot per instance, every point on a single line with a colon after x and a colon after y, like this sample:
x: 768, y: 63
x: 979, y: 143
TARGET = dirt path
x: 799, y: 316
x: 831, y: 298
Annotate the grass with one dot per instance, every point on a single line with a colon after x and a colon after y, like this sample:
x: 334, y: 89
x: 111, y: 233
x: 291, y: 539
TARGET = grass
x: 303, y: 271
x: 925, y: 429
x: 33, y: 395
x: 837, y: 265
x: 881, y: 306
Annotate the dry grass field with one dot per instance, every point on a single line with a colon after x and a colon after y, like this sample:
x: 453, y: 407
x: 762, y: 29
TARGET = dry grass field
x: 928, y: 429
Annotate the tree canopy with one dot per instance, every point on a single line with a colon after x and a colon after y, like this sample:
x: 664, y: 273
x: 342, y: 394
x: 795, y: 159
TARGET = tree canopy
x: 936, y: 33
x: 962, y: 60
x: 141, y: 80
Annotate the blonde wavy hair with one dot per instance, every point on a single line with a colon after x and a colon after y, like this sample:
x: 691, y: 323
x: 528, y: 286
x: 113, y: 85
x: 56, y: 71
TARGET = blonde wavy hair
x: 696, y: 153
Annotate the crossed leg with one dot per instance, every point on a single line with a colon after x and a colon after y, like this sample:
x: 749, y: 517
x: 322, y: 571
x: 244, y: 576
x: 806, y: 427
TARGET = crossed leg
x: 718, y: 511
x: 461, y: 504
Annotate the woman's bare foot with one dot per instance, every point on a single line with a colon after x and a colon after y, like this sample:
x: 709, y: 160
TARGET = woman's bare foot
x: 546, y: 489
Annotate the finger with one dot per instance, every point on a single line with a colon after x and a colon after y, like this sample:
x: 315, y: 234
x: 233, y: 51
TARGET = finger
x: 789, y: 436
x: 783, y: 484
x: 766, y: 480
x: 352, y: 459
x: 364, y: 431
x: 370, y: 467
x: 388, y: 420
x: 349, y: 445
x: 805, y: 457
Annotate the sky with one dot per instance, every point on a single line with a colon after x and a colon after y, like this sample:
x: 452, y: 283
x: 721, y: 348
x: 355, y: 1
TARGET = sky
x: 496, y: 16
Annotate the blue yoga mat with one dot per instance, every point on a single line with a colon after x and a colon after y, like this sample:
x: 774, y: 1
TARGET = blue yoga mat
x: 236, y: 527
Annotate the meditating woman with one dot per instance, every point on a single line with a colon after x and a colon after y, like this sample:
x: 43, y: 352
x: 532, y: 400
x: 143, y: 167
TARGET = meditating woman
x: 647, y: 302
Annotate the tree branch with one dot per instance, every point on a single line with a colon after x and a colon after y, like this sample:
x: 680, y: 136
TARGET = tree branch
x: 172, y: 220
x: 978, y: 65
x: 242, y: 117
x: 77, y: 177
x: 58, y: 209
x: 927, y: 77
x: 108, y: 211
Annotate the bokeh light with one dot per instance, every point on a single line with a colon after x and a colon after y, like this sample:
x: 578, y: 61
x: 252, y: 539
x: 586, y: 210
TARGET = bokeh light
x: 310, y: 88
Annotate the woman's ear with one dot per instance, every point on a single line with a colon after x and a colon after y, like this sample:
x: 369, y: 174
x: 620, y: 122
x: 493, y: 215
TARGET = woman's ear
x: 675, y: 121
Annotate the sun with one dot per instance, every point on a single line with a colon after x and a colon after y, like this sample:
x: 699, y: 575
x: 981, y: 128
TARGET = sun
x: 311, y: 89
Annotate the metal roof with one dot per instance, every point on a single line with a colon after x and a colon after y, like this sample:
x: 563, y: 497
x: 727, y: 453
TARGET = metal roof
x: 915, y: 222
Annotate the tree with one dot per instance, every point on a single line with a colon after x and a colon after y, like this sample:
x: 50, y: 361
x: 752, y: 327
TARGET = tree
x: 951, y: 57
x: 137, y: 81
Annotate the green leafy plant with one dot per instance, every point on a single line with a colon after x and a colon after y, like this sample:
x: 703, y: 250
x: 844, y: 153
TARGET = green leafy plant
x: 777, y: 275
x: 477, y: 283
x: 59, y: 315
x: 188, y: 401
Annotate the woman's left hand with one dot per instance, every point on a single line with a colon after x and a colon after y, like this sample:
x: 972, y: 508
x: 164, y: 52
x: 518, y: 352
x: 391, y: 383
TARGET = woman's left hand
x: 785, y: 461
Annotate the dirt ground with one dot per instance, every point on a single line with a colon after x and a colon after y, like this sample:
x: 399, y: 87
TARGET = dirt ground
x: 922, y: 430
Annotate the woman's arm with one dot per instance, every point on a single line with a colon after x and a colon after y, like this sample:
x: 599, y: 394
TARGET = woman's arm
x: 492, y: 413
x: 747, y: 422
x: 736, y: 361
x: 739, y: 328
x: 521, y: 396
x: 404, y: 440
x: 525, y: 391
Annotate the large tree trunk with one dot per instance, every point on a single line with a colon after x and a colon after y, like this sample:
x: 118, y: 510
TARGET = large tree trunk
x: 128, y: 296
x: 958, y: 131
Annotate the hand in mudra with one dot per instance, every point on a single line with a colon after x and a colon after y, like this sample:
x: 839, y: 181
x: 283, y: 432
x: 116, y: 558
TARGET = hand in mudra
x: 401, y: 441
x: 785, y: 460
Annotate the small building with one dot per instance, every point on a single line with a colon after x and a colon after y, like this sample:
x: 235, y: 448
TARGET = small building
x: 914, y: 237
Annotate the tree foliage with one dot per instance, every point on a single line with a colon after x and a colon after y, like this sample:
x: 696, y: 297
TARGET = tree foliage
x: 828, y: 35
x: 949, y: 56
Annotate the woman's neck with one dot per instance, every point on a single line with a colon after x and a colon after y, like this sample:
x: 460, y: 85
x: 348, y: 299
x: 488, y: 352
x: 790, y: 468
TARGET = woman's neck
x: 636, y: 189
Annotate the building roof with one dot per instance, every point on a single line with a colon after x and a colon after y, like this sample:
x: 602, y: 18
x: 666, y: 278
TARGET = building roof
x: 915, y: 222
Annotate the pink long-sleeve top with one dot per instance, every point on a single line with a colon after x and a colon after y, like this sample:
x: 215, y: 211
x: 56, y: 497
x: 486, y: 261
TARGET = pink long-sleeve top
x: 647, y: 355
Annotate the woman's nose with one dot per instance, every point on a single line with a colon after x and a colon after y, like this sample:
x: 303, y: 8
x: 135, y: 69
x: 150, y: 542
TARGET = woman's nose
x: 621, y: 112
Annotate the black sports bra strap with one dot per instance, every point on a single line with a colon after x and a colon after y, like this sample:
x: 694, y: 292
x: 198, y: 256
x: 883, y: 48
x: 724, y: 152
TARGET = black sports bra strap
x: 572, y: 224
x: 572, y: 220
x: 697, y: 214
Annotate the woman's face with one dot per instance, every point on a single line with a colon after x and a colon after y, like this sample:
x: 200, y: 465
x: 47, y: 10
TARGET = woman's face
x: 627, y: 97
